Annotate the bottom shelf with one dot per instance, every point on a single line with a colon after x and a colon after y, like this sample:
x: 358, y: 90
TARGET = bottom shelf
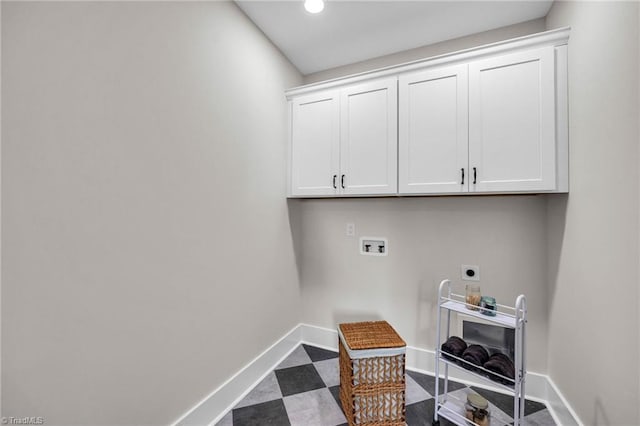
x: 453, y: 410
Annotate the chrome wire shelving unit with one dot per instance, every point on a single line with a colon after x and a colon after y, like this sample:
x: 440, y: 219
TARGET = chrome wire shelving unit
x: 514, y: 317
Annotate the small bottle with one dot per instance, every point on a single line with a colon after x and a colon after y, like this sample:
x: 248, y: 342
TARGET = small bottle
x: 477, y: 410
x: 473, y: 296
x: 488, y: 304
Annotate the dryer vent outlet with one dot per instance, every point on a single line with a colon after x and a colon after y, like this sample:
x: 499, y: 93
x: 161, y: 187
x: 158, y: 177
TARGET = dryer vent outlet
x: 470, y: 272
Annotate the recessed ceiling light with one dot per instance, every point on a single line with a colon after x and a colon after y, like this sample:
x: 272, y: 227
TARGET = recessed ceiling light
x: 314, y: 6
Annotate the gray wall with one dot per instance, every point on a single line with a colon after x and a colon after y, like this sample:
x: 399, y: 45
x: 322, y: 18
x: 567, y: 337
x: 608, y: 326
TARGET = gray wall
x: 146, y: 248
x: 429, y: 239
x: 593, y: 234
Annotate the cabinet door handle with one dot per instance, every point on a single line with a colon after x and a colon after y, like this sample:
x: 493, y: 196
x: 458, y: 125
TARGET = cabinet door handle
x: 462, y: 170
x: 342, y: 181
x: 474, y: 175
x: 334, y: 181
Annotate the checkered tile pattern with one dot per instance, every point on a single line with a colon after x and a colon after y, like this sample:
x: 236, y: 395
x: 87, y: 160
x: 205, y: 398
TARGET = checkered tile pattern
x: 303, y: 391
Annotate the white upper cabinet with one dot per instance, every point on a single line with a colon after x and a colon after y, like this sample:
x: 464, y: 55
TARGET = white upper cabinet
x: 315, y: 144
x: 433, y: 131
x: 490, y: 119
x: 368, y: 138
x: 512, y: 139
x: 344, y: 142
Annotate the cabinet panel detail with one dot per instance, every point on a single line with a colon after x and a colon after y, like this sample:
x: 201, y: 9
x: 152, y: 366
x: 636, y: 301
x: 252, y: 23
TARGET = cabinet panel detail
x: 433, y: 131
x: 315, y: 144
x: 512, y: 122
x: 368, y: 138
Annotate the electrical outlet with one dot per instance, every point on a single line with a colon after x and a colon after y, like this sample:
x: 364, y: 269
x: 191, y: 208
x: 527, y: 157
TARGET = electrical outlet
x: 351, y: 229
x: 470, y: 272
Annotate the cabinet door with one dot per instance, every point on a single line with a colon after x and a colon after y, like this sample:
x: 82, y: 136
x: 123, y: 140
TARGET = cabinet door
x: 512, y: 122
x: 368, y: 149
x: 315, y: 144
x: 433, y: 131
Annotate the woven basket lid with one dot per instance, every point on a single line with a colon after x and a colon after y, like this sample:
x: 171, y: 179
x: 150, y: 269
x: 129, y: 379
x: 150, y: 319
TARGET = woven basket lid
x: 370, y: 335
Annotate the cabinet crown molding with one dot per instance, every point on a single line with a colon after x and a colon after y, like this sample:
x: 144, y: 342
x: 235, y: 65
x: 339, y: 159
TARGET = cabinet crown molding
x: 555, y: 37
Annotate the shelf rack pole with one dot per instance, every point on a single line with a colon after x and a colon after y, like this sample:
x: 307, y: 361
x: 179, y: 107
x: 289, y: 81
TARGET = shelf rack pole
x: 437, y: 360
x: 521, y: 374
x: 448, y: 328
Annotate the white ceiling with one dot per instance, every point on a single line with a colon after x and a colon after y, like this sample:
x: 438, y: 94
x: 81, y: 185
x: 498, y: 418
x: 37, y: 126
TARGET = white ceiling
x: 351, y: 31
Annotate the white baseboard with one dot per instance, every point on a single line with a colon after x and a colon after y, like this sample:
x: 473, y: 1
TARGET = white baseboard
x: 559, y: 407
x: 215, y: 405
x: 321, y: 337
x: 212, y: 408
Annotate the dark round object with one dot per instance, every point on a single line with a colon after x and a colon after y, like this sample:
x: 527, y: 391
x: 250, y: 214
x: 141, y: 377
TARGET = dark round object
x: 475, y: 354
x: 501, y: 364
x: 454, y: 346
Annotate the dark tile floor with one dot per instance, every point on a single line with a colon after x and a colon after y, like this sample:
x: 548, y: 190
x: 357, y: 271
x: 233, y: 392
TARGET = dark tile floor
x: 303, y: 391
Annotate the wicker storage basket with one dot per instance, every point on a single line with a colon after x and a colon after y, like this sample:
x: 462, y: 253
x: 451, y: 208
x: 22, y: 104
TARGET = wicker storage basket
x: 372, y: 381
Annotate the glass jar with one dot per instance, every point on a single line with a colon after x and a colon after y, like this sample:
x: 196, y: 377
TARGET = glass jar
x: 489, y: 306
x: 473, y: 296
x: 477, y: 410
